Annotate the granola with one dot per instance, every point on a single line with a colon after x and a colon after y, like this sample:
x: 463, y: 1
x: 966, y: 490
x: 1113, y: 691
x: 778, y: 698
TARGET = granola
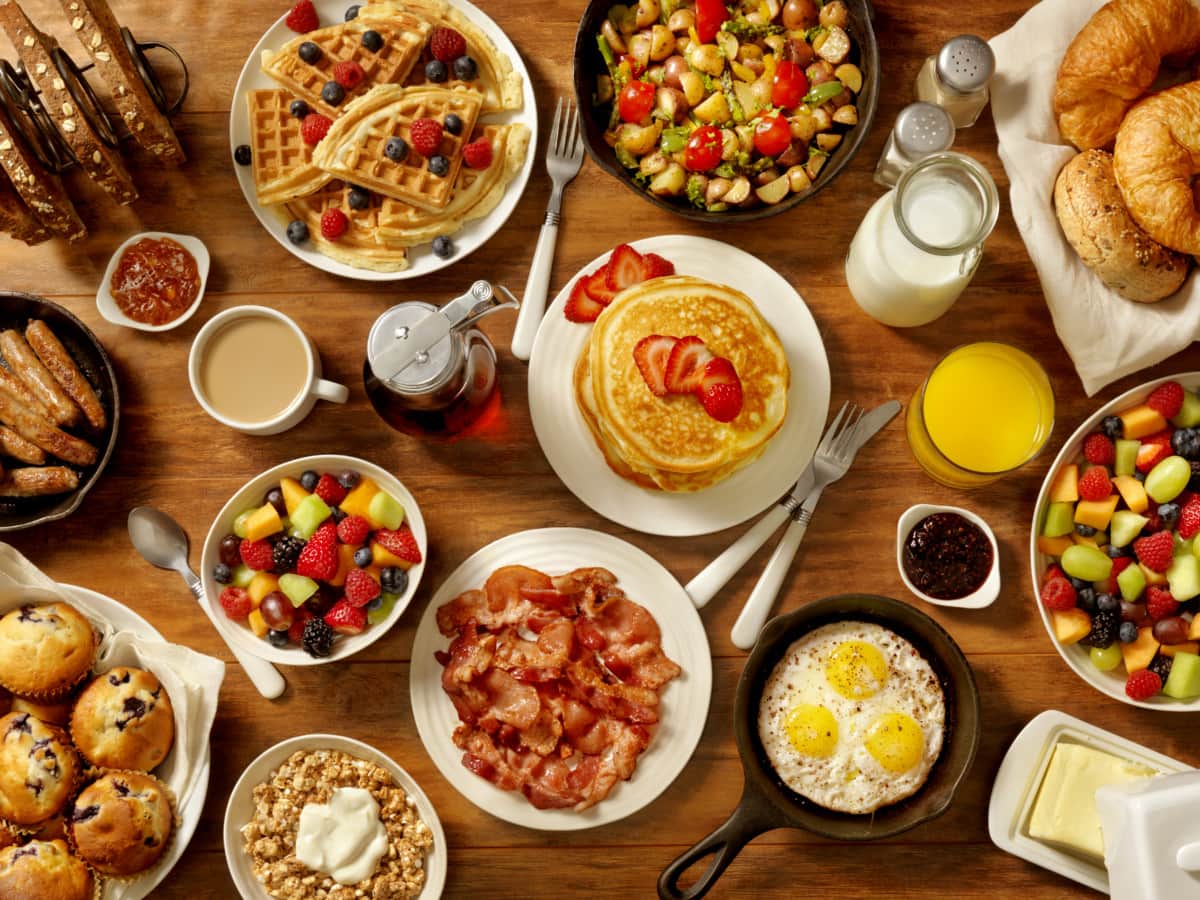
x: 311, y: 777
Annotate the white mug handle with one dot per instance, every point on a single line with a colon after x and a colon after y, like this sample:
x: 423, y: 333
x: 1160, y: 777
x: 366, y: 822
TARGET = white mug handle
x: 1188, y: 857
x: 331, y: 391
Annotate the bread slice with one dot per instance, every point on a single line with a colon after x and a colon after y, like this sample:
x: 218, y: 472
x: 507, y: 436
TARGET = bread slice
x: 100, y: 33
x: 100, y: 161
x: 15, y: 217
x: 42, y: 191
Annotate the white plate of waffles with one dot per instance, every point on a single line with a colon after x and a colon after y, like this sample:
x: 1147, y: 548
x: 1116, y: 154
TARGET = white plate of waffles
x: 401, y: 206
x: 682, y: 710
x: 724, y: 500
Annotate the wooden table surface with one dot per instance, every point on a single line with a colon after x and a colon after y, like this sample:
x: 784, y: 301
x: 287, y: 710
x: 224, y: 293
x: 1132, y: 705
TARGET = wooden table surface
x: 173, y: 456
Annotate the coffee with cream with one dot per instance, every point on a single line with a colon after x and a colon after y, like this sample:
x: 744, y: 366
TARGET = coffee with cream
x: 253, y: 369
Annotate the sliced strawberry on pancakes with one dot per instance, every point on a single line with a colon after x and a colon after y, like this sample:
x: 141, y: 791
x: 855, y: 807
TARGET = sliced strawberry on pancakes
x: 686, y: 365
x: 624, y: 268
x: 720, y: 390
x: 580, y: 306
x: 651, y: 355
x: 597, y: 286
x: 654, y: 266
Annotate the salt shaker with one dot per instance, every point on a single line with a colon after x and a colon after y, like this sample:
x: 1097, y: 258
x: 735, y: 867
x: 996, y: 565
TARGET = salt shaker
x: 921, y: 129
x: 956, y: 79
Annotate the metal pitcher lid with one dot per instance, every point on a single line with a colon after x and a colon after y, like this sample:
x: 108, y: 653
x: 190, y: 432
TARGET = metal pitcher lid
x: 965, y: 63
x: 923, y: 128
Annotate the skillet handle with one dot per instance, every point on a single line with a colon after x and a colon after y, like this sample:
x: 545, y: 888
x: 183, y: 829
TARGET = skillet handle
x: 748, y: 821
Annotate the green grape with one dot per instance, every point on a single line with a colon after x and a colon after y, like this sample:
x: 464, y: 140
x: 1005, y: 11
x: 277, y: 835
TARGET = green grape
x: 1086, y: 562
x: 1106, y: 658
x: 239, y: 524
x: 1168, y: 479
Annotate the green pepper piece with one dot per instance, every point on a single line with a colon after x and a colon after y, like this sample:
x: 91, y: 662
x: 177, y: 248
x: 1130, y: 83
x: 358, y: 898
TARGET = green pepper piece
x: 674, y: 139
x: 823, y: 93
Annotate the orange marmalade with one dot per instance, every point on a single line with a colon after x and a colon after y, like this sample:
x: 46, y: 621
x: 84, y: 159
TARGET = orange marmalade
x: 155, y: 281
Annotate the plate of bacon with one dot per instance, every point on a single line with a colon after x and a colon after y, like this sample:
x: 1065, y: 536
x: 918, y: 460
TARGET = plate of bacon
x: 561, y: 679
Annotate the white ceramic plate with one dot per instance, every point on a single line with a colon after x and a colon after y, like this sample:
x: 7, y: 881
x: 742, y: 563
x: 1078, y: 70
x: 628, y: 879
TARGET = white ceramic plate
x: 251, y: 494
x: 107, y: 304
x: 421, y: 258
x: 240, y: 809
x: 1110, y: 683
x: 684, y: 705
x: 1021, y: 775
x: 572, y: 452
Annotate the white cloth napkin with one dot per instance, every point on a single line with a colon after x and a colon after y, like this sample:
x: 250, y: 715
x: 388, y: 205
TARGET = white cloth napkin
x: 1106, y: 335
x: 193, y: 682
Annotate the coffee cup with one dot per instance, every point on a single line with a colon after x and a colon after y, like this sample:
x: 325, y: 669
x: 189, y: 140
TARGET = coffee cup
x: 253, y: 369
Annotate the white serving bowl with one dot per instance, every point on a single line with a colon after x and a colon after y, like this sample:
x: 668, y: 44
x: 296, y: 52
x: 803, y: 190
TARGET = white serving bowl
x: 1110, y: 683
x: 251, y: 494
x: 987, y: 592
x: 240, y: 809
x: 107, y: 304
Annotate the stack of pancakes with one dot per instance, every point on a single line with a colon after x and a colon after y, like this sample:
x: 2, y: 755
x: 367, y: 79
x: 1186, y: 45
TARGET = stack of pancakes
x: 670, y: 443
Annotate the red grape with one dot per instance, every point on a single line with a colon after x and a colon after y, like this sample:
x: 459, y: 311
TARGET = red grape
x: 1171, y: 630
x: 1134, y: 612
x: 230, y: 550
x: 277, y: 611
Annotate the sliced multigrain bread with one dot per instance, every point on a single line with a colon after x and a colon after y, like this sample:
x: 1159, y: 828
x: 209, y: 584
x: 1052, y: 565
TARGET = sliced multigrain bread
x: 42, y: 191
x: 15, y: 217
x: 100, y: 33
x: 99, y: 160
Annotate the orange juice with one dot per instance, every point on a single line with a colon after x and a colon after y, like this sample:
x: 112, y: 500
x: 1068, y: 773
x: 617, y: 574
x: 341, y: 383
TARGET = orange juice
x: 986, y: 409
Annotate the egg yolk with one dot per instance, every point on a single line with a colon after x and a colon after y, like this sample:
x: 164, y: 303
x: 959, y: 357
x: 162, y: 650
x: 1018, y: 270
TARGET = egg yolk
x: 856, y: 670
x: 812, y: 730
x: 896, y: 741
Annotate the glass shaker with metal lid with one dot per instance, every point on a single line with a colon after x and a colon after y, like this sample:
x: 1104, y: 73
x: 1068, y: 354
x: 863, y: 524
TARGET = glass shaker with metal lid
x: 921, y: 129
x: 957, y: 77
x: 428, y: 371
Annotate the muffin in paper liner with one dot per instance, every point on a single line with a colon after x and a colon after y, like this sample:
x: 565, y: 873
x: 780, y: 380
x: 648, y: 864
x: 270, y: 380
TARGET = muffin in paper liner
x: 99, y: 868
x: 46, y: 650
x: 27, y: 762
x: 57, y: 855
x: 56, y: 712
x: 124, y: 719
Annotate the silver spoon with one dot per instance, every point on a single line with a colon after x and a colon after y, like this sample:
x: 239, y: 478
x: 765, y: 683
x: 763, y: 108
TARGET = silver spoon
x: 163, y: 543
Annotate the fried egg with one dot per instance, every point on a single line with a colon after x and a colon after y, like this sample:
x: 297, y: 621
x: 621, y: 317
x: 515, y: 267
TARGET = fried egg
x: 852, y: 717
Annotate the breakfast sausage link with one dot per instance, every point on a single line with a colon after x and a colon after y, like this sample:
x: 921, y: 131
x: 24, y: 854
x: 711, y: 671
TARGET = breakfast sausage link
x: 38, y: 481
x: 15, y: 387
x: 58, y: 361
x: 29, y: 369
x: 12, y: 444
x: 53, y: 440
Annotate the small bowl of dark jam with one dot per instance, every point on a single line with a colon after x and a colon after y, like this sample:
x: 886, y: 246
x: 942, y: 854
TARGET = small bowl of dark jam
x: 154, y: 282
x: 948, y: 556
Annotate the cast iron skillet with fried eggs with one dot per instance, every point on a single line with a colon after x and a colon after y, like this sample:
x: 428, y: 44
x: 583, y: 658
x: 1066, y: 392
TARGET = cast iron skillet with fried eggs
x: 767, y: 802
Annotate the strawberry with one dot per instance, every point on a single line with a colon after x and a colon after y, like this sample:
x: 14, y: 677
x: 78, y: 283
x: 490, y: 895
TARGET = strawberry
x: 1189, y: 519
x: 624, y: 268
x: 302, y: 18
x: 1166, y: 399
x: 1142, y: 685
x: 236, y: 603
x: 333, y: 224
x: 721, y: 390
x: 400, y: 542
x: 478, y: 154
x: 319, y: 558
x: 1120, y: 564
x: 348, y: 74
x: 1155, y: 552
x: 651, y: 355
x: 345, y: 618
x: 425, y: 136
x: 580, y: 306
x: 1098, y: 449
x: 296, y: 632
x: 329, y: 490
x: 314, y: 127
x: 1058, y: 595
x: 446, y: 45
x: 654, y: 266
x: 361, y: 588
x: 257, y: 555
x: 1155, y: 448
x: 353, y: 530
x: 597, y: 286
x: 1160, y: 603
x: 1095, y: 484
x: 686, y: 365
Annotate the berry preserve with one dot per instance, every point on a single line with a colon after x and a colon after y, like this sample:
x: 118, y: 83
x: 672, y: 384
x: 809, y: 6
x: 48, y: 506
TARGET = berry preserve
x: 947, y: 557
x: 155, y: 281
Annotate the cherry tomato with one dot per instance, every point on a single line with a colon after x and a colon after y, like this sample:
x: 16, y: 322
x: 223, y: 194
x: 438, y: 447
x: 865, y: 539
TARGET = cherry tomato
x: 772, y: 136
x: 635, y: 101
x: 635, y: 67
x: 703, y: 150
x: 790, y: 85
x: 710, y: 14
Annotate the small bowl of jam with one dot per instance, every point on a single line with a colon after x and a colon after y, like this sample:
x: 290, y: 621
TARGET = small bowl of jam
x: 948, y: 556
x: 154, y: 282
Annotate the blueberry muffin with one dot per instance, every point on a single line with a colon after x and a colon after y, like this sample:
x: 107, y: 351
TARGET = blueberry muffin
x: 45, y: 870
x: 123, y: 720
x: 39, y: 769
x: 57, y: 712
x: 122, y: 823
x: 45, y: 650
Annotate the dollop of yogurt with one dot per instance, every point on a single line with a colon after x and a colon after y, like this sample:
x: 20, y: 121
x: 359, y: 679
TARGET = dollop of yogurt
x: 343, y: 838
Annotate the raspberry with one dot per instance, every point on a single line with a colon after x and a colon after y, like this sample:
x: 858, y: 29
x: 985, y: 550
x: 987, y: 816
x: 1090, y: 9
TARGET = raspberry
x: 1095, y: 484
x: 361, y: 588
x: 1058, y: 595
x: 1155, y: 552
x: 478, y: 154
x: 329, y: 490
x: 348, y: 74
x: 1053, y: 571
x: 258, y: 555
x: 296, y: 632
x: 319, y: 559
x: 1166, y: 399
x: 1142, y: 685
x: 1189, y: 519
x: 1099, y: 450
x: 302, y: 18
x: 333, y: 224
x: 236, y: 603
x: 353, y: 530
x: 446, y: 45
x: 425, y: 136
x: 314, y: 127
x: 346, y: 619
x: 400, y: 542
x: 1160, y: 603
x: 1120, y: 564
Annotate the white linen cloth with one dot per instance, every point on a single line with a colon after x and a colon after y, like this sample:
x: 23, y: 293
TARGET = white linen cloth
x: 1107, y: 336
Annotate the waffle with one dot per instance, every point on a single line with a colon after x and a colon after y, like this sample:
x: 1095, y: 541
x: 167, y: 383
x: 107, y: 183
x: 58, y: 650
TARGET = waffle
x: 359, y: 246
x: 403, y: 37
x: 353, y: 148
x: 281, y: 160
x: 15, y: 217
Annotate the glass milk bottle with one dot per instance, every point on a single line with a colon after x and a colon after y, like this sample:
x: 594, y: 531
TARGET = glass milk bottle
x: 919, y: 245
x: 956, y: 79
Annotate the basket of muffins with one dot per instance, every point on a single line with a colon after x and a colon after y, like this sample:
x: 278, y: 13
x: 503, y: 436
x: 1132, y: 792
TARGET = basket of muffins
x: 79, y: 803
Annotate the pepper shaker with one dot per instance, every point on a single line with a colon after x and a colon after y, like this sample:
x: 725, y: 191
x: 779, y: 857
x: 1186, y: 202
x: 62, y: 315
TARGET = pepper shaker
x: 957, y: 77
x: 921, y: 129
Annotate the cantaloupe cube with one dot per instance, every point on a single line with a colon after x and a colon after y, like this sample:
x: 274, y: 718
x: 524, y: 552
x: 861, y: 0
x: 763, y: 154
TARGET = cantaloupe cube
x: 345, y: 564
x: 359, y: 499
x: 1141, y: 421
x: 1066, y: 485
x: 1053, y: 546
x: 257, y: 623
x: 1132, y: 492
x: 384, y: 557
x: 1096, y: 513
x: 1185, y: 647
x: 1194, y: 629
x: 293, y: 493
x: 263, y: 522
x: 1071, y: 626
x: 1153, y: 577
x: 260, y: 585
x: 1139, y: 653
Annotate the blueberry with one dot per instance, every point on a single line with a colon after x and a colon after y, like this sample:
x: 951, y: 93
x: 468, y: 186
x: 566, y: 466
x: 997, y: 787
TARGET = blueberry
x: 1086, y: 598
x: 1168, y: 513
x: 309, y: 52
x: 439, y: 165
x: 309, y: 479
x: 374, y: 604
x: 443, y: 247
x: 1113, y: 427
x: 277, y: 638
x: 352, y: 12
x: 1107, y: 603
x: 297, y: 232
x: 435, y: 71
x: 1078, y: 583
x: 222, y: 574
x: 358, y: 198
x: 1084, y: 530
x: 348, y: 479
x: 1128, y: 633
x: 333, y: 93
x: 363, y: 557
x: 1139, y: 475
x: 453, y: 124
x: 338, y: 514
x: 372, y: 41
x: 393, y: 580
x: 1115, y: 552
x: 241, y: 155
x: 1186, y: 442
x: 465, y: 69
x: 299, y: 109
x: 395, y: 149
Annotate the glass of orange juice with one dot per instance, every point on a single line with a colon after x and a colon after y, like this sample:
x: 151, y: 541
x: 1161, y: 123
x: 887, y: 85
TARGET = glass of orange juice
x: 985, y: 410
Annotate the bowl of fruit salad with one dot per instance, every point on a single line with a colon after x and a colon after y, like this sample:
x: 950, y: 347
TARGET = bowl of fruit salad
x: 314, y: 559
x: 1115, y: 548
x: 730, y: 111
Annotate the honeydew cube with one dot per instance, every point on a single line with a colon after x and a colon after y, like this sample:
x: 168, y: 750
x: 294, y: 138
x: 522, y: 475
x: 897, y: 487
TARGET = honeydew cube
x: 1152, y: 577
x: 1053, y: 546
x: 1189, y: 413
x: 1141, y: 421
x: 1132, y: 492
x: 1096, y: 513
x: 1125, y: 462
x: 309, y: 514
x: 1176, y: 649
x: 263, y: 522
x: 1071, y: 625
x: 242, y: 576
x: 358, y: 501
x: 261, y: 585
x: 1066, y: 485
x: 1132, y: 581
x: 298, y: 588
x: 293, y: 493
x: 1060, y: 519
x: 1139, y: 653
x: 1184, y: 680
x: 257, y: 623
x: 385, y: 511
x: 1183, y: 575
x: 1126, y: 525
x: 345, y: 564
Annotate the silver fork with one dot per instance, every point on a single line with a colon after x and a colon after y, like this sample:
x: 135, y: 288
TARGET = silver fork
x: 564, y: 156
x: 832, y: 460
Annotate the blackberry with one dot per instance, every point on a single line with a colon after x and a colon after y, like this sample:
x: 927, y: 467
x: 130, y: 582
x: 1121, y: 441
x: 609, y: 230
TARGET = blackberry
x: 1194, y: 481
x: 1104, y: 629
x: 318, y: 638
x: 1113, y: 427
x: 1084, y: 530
x: 1161, y: 666
x: 285, y: 553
